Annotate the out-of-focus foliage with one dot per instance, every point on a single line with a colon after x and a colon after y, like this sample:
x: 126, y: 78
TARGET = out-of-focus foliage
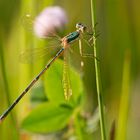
x: 9, y: 10
x: 119, y: 27
x: 52, y: 120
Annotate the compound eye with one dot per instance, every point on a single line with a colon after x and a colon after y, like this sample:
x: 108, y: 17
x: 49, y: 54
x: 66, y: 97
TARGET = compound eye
x: 78, y: 25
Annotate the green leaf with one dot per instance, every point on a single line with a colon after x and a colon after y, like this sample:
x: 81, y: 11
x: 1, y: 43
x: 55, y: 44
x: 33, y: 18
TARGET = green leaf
x: 54, y: 86
x: 38, y: 94
x: 53, y: 82
x: 47, y: 118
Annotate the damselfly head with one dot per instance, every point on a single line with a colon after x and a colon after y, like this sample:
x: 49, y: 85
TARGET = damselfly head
x: 81, y: 27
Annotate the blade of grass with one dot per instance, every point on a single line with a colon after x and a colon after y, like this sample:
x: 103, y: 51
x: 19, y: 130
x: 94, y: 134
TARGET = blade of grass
x: 5, y: 80
x: 124, y: 103
x: 98, y: 82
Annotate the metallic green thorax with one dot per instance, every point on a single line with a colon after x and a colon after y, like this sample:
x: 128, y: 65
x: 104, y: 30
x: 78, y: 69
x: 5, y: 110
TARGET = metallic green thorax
x: 72, y: 36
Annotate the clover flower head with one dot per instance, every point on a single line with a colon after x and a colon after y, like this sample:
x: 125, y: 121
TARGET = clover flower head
x: 49, y: 20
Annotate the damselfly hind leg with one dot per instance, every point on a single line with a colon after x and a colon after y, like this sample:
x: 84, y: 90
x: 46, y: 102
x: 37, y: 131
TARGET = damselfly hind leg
x: 83, y: 54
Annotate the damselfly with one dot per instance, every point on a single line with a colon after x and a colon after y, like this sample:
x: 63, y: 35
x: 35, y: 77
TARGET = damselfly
x: 66, y: 42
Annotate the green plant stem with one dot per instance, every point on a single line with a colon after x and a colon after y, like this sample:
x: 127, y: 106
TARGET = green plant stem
x: 98, y: 82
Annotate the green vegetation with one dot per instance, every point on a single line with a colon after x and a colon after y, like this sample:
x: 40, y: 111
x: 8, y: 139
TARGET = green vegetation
x: 105, y: 93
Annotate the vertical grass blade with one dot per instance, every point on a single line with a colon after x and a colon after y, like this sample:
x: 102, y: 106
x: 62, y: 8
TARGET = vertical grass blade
x: 124, y: 103
x: 98, y: 82
x: 5, y: 80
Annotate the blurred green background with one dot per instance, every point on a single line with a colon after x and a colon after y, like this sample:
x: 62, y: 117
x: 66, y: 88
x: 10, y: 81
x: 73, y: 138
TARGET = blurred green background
x: 118, y: 51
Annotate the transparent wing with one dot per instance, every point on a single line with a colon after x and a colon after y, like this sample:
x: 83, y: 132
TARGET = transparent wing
x: 66, y: 77
x: 53, y: 43
x: 27, y: 22
x: 34, y: 54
